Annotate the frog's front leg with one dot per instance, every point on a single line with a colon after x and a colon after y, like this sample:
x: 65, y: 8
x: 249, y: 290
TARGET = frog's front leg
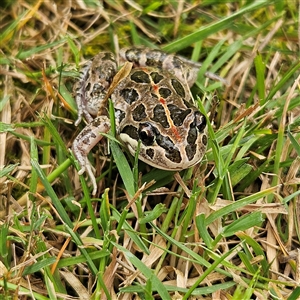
x: 84, y: 143
x: 91, y: 89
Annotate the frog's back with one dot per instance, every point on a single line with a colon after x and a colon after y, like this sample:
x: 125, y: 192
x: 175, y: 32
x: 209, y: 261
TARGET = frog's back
x: 152, y: 106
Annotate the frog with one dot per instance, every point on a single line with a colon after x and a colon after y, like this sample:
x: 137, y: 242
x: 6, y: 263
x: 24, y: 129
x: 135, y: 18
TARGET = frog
x: 154, y: 109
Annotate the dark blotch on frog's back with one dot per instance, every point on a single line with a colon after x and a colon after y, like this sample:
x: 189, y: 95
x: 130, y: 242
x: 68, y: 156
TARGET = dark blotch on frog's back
x: 171, y: 152
x: 190, y: 151
x: 129, y: 95
x: 140, y: 76
x: 178, y: 88
x: 159, y: 116
x: 178, y: 115
x: 156, y: 77
x: 120, y: 115
x: 197, y: 127
x: 139, y: 113
x: 131, y: 131
x: 165, y: 92
x: 199, y: 121
x: 150, y: 153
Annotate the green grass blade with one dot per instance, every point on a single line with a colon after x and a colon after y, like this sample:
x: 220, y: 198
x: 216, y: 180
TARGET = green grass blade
x: 20, y: 289
x: 120, y: 159
x: 156, y: 283
x: 294, y: 69
x: 35, y: 50
x: 62, y: 213
x: 130, y: 231
x: 260, y: 76
x: 295, y: 295
x: 294, y: 142
x: 9, y: 31
x: 202, y: 228
x: 243, y: 223
x: 203, y: 33
x: 257, y: 249
x: 209, y: 270
x: 238, y: 204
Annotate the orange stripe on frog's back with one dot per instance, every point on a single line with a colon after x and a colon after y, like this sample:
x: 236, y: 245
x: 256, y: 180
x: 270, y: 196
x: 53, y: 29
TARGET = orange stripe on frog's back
x: 167, y: 112
x: 169, y: 119
x: 163, y: 102
x: 155, y: 88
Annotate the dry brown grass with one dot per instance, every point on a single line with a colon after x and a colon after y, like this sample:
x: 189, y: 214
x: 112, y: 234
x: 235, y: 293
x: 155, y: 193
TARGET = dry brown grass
x: 229, y: 229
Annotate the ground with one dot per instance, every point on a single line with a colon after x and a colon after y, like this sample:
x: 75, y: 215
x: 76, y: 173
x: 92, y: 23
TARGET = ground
x: 227, y: 228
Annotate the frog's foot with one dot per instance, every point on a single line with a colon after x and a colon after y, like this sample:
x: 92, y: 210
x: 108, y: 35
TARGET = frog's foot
x: 77, y: 122
x: 90, y: 171
x: 87, y: 117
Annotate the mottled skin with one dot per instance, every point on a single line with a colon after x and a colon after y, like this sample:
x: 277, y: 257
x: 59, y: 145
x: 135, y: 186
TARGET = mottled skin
x: 152, y: 105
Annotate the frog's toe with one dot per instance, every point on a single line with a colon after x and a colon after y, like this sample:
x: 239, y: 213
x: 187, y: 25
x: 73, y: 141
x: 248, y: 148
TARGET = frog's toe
x: 77, y: 122
x: 81, y: 171
x: 89, y: 170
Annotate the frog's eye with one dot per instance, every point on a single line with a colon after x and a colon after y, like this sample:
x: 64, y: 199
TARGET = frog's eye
x: 147, y: 134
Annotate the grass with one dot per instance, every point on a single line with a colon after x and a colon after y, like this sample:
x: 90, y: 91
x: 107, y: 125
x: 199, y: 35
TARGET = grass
x: 227, y: 228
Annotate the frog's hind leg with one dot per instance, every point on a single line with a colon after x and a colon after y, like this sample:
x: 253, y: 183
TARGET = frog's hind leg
x: 184, y: 69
